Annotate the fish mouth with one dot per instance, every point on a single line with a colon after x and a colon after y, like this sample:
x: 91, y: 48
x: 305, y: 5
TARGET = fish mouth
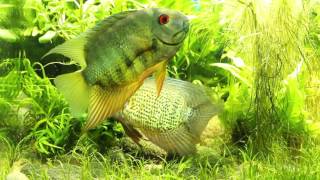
x: 184, y: 34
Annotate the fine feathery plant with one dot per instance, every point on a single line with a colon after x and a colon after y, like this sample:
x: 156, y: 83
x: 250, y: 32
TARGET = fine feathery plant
x: 270, y: 37
x: 238, y: 107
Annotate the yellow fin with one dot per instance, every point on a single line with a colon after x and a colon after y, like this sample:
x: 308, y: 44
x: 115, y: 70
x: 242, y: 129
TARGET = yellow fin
x: 161, y: 75
x: 75, y: 90
x: 179, y: 141
x: 106, y: 102
x: 73, y: 49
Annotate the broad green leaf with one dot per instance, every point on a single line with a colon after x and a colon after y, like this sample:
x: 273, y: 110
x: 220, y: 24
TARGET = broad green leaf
x: 238, y: 73
x: 8, y: 35
x: 47, y: 37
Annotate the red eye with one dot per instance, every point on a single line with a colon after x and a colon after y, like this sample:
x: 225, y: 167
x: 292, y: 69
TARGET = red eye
x: 163, y: 19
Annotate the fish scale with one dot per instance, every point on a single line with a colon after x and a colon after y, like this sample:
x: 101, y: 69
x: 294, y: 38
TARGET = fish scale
x: 173, y: 104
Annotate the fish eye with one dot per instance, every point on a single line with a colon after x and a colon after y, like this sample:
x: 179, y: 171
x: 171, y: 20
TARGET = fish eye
x: 163, y: 19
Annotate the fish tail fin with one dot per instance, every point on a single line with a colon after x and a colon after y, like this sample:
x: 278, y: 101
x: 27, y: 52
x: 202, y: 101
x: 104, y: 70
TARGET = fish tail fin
x: 73, y: 49
x: 199, y: 98
x: 204, y: 113
x: 179, y: 141
x: 75, y: 91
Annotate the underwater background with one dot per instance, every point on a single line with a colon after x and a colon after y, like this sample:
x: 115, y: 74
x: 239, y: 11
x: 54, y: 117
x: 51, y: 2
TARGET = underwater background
x: 261, y: 57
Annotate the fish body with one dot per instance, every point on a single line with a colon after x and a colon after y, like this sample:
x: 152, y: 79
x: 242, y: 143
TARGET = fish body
x: 175, y: 120
x: 116, y: 56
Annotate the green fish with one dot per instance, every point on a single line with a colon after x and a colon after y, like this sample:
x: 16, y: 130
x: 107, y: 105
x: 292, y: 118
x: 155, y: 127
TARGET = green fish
x: 173, y: 121
x: 115, y: 58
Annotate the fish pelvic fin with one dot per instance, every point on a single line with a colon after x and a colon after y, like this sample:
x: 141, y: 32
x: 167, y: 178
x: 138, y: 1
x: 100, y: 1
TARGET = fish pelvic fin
x: 75, y: 91
x: 133, y: 133
x: 161, y: 75
x: 73, y: 49
x: 178, y: 141
x: 105, y: 102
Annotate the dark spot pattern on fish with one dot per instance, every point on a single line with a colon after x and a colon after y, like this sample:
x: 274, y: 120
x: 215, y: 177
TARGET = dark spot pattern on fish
x: 128, y: 62
x: 118, y: 70
x: 154, y: 45
x: 145, y: 56
x: 105, y: 83
x: 99, y: 83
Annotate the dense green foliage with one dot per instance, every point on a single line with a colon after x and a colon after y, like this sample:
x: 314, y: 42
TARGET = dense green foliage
x: 259, y: 56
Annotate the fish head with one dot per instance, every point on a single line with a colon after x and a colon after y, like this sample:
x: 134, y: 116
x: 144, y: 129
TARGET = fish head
x: 169, y: 27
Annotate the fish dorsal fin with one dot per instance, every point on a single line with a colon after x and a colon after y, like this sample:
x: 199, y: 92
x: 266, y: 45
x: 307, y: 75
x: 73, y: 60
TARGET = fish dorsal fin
x: 73, y: 49
x: 108, y: 22
x: 178, y: 141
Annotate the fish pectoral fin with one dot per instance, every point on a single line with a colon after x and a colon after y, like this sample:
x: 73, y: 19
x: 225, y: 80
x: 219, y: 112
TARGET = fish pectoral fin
x: 133, y: 133
x: 75, y: 91
x: 105, y: 102
x: 161, y: 75
x: 179, y: 141
x: 73, y: 49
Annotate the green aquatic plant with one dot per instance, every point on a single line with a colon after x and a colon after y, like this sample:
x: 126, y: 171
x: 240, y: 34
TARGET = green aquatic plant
x: 35, y: 109
x: 43, y: 24
x: 266, y: 68
x: 204, y: 45
x: 32, y: 109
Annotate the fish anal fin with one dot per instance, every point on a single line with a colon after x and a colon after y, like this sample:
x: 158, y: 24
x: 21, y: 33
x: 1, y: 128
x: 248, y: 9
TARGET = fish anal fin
x: 106, y: 102
x: 179, y: 141
x: 161, y: 75
x: 75, y: 91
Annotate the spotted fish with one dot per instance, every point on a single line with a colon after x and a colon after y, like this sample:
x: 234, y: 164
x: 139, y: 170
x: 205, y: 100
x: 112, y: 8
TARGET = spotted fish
x: 173, y: 121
